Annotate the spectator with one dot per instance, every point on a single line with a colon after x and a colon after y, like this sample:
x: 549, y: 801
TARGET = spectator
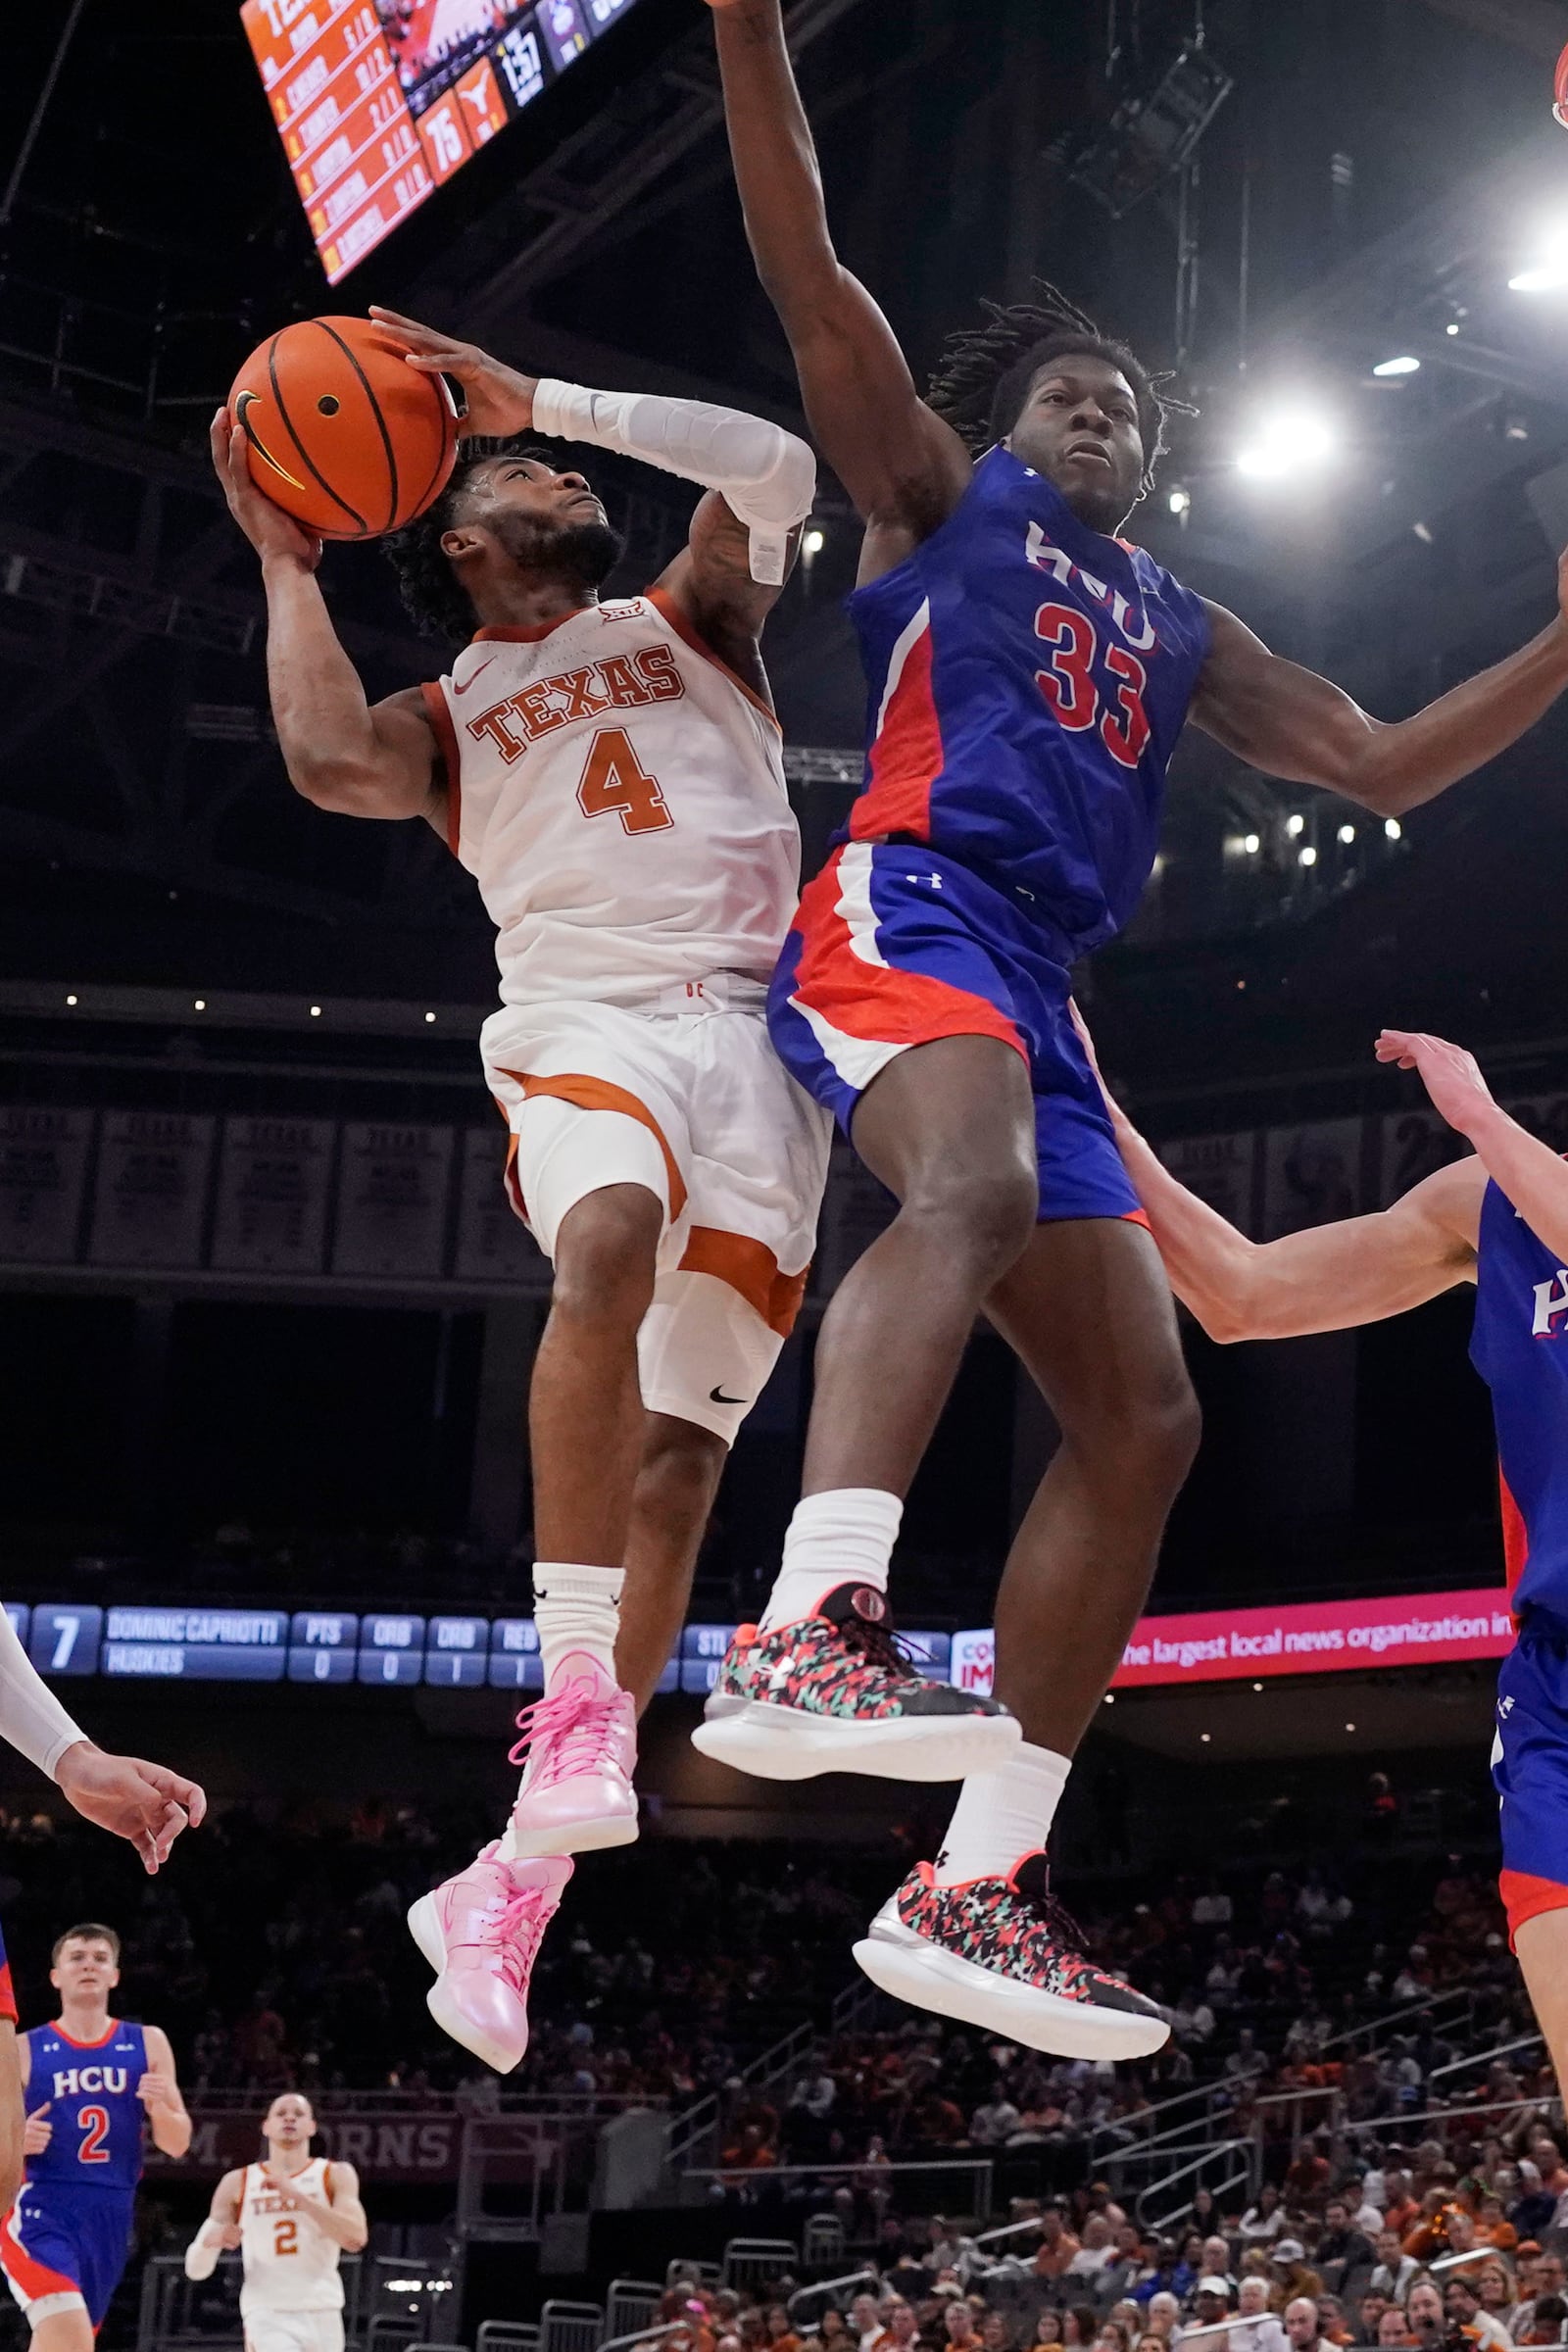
x: 1394, y: 2269
x: 958, y: 2327
x: 1126, y: 2266
x: 1096, y: 2252
x: 1424, y: 2310
x: 1262, y: 2222
x: 1393, y: 2328
x: 1163, y: 2317
x: 1495, y: 2285
x: 1464, y: 2310
x: 1257, y: 2329
x: 1293, y: 2280
x: 1549, y: 2322
x: 1369, y: 2313
x: 866, y: 2330
x: 1548, y: 2277
x: 1112, y: 2337
x: 1212, y: 2302
x: 1343, y: 2257
x: 1302, y: 2325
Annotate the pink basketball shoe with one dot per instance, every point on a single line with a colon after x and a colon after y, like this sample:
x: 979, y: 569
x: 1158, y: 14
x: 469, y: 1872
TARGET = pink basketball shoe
x: 482, y: 1931
x: 580, y: 1741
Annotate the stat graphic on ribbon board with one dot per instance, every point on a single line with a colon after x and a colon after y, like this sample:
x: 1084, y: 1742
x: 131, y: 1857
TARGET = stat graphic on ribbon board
x: 377, y: 102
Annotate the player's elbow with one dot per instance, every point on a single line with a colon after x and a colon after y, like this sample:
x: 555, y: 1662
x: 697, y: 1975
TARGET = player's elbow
x: 330, y: 781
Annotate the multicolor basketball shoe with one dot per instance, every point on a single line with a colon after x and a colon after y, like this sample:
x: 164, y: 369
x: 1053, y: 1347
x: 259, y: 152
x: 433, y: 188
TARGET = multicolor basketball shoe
x: 835, y: 1692
x: 482, y: 1931
x: 1004, y: 1955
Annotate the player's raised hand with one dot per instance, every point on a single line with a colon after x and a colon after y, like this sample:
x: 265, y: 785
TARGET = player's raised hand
x: 145, y: 1802
x: 37, y: 2133
x: 1448, y: 1073
x: 268, y: 530
x: 499, y: 399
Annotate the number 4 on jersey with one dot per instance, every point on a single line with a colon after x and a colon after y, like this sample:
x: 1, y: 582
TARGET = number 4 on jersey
x: 613, y: 778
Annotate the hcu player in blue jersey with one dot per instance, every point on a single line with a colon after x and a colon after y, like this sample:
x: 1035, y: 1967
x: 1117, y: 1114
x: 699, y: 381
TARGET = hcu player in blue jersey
x: 1498, y: 1219
x: 1030, y: 672
x: 90, y: 2080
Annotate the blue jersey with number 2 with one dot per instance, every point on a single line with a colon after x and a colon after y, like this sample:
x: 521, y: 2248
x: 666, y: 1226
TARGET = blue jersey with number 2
x: 94, y: 2113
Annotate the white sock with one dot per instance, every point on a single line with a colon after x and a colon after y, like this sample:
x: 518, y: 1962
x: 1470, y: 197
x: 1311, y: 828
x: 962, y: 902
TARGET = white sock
x: 846, y: 1536
x: 576, y: 1609
x: 1002, y: 1816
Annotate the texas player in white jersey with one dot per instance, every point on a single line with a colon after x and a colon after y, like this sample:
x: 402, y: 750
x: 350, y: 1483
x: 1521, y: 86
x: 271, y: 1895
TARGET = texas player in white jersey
x: 611, y: 773
x: 293, y: 2217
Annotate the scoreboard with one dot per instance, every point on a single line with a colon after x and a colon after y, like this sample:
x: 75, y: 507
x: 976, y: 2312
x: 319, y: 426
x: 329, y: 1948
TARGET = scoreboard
x: 387, y: 1650
x: 377, y: 102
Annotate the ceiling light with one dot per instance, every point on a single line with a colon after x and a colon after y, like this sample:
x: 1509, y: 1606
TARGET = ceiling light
x: 71, y: 999
x: 1285, y: 443
x: 315, y: 1013
x: 1296, y: 826
x: 1423, y: 531
x: 1204, y: 1736
x: 1257, y: 1686
x: 814, y: 542
x: 1392, y: 828
x: 1452, y: 327
x: 1550, y: 278
x: 199, y: 1004
x: 1308, y: 856
x: 1347, y: 835
x: 1401, y: 367
x: 1180, y: 502
x: 1252, y: 844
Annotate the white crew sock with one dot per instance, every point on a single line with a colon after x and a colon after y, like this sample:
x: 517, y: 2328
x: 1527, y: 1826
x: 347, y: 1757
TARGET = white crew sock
x: 576, y: 1609
x: 1002, y: 1816
x: 842, y: 1537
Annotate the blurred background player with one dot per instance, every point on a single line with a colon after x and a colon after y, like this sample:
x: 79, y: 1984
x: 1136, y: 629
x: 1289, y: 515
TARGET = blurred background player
x: 1030, y: 674
x: 1498, y: 1219
x: 93, y: 2080
x: 144, y: 1804
x: 612, y: 775
x: 293, y: 2217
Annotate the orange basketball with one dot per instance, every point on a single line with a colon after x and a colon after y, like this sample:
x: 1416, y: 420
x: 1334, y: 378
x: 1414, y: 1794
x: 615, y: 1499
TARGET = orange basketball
x: 341, y: 431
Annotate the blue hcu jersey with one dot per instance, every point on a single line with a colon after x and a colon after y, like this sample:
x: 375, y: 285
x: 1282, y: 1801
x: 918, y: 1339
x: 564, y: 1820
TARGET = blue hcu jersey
x: 95, y: 2114
x: 1520, y: 1348
x: 1028, y: 678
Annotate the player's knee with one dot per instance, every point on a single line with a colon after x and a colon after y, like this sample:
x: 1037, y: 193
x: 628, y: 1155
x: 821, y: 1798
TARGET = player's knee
x: 1144, y: 1435
x: 981, y: 1217
x: 606, y: 1254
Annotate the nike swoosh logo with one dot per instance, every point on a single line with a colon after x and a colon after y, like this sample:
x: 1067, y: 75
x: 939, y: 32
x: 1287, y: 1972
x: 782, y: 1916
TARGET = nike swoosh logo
x: 718, y: 1396
x: 469, y: 681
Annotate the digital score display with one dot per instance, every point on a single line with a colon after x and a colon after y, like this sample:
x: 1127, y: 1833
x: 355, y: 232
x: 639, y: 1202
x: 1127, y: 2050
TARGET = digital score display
x: 384, y: 1649
x: 377, y: 102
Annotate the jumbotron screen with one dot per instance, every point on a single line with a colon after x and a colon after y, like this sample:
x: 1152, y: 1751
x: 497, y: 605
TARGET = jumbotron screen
x: 377, y: 102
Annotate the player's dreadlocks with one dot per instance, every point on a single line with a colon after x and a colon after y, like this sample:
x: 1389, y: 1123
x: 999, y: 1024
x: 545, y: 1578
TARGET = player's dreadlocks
x: 433, y: 597
x: 986, y: 372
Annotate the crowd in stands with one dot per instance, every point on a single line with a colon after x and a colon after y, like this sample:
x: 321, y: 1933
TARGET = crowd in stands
x: 1456, y: 2243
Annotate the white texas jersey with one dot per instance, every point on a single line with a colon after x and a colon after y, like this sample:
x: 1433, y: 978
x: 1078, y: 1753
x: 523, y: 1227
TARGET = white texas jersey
x: 619, y: 794
x: 290, y: 2264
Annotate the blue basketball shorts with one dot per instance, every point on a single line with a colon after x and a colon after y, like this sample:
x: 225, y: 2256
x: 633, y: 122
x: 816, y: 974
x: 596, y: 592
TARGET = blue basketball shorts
x: 896, y: 945
x: 1530, y: 1769
x: 61, y: 2249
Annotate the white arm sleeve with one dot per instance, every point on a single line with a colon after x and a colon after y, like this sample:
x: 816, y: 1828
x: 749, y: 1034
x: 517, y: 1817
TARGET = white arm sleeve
x: 32, y: 1718
x: 201, y: 2255
x: 766, y: 475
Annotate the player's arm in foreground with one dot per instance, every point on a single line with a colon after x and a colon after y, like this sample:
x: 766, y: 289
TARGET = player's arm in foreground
x: 342, y: 752
x: 1294, y: 725
x: 220, y: 2233
x: 160, y: 2095
x: 146, y: 1803
x: 760, y: 480
x: 13, y: 2112
x: 904, y: 469
x: 1329, y: 1277
x: 340, y: 2216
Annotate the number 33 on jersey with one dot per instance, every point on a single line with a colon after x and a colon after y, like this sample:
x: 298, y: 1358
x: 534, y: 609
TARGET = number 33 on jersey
x: 618, y: 794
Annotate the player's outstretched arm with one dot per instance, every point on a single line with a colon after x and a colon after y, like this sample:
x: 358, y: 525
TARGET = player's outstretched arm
x: 1330, y: 1278
x: 13, y: 2114
x: 1292, y: 724
x: 339, y: 2216
x: 159, y: 2093
x: 341, y: 752
x: 904, y: 469
x: 220, y: 2233
x: 1526, y: 1171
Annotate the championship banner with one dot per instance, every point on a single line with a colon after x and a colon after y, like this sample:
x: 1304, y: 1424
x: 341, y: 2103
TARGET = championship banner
x: 1416, y: 1144
x: 493, y: 1242
x: 416, y: 2145
x: 392, y: 1200
x: 150, y: 1201
x: 1221, y: 1169
x: 1311, y: 1175
x: 273, y: 1177
x: 1327, y: 1637
x: 43, y: 1172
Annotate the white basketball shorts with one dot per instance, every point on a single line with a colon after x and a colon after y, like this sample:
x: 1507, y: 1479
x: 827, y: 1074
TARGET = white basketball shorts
x: 293, y: 2330
x: 697, y: 1109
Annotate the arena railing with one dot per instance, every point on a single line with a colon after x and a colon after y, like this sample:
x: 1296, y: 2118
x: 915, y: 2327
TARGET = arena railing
x: 1488, y: 2057
x: 701, y: 2123
x: 1128, y: 2130
x: 1223, y: 2168
x: 1455, y: 1996
x: 866, y: 2279
x: 978, y: 2171
x: 645, y: 2335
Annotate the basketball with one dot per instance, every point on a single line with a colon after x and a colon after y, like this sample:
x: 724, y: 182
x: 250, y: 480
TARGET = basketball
x: 341, y: 432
